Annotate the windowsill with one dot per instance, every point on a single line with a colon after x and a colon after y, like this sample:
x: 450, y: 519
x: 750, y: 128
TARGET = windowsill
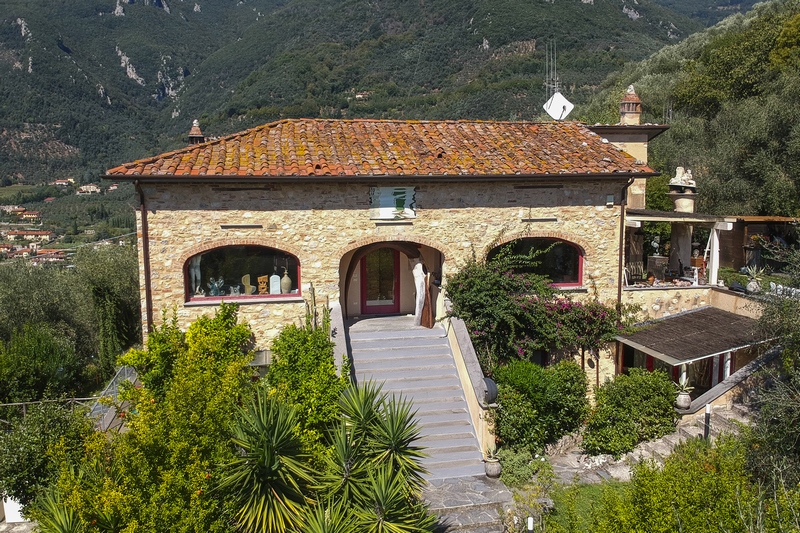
x: 393, y: 222
x: 244, y: 300
x: 571, y: 289
x: 667, y: 287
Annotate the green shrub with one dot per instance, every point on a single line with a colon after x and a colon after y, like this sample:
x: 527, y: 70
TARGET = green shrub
x: 513, y: 314
x: 539, y: 405
x: 303, y: 374
x: 633, y: 408
x: 519, y: 467
x: 702, y: 489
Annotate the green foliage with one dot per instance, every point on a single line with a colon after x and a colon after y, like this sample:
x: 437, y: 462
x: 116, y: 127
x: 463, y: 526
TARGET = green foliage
x: 27, y: 464
x: 537, y: 405
x: 519, y: 467
x: 268, y: 478
x: 303, y: 374
x: 513, y: 314
x: 375, y: 464
x: 781, y: 316
x: 773, y: 454
x: 110, y: 274
x: 38, y: 363
x: 154, y: 365
x: 701, y: 488
x: 630, y: 409
x: 55, y: 517
x: 730, y: 95
x: 158, y: 475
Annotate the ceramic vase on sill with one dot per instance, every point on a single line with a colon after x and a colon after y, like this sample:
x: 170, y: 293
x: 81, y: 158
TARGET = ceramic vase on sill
x: 286, y: 282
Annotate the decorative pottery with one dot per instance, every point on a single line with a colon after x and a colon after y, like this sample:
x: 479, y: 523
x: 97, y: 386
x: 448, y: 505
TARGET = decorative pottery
x: 492, y: 468
x: 683, y: 400
x: 286, y: 282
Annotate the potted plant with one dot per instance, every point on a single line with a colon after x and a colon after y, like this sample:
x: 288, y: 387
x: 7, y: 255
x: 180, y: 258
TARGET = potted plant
x: 683, y: 399
x: 491, y: 463
x: 754, y: 274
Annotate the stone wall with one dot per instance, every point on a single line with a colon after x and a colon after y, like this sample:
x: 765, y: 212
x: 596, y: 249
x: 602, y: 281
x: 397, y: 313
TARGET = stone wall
x: 320, y: 223
x: 663, y: 302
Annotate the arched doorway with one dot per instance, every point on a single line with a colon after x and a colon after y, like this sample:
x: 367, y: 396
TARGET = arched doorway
x: 384, y: 278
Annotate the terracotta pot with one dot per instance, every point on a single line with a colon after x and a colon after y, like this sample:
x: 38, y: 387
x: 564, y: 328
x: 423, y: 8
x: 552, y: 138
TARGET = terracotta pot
x: 492, y: 468
x: 683, y: 400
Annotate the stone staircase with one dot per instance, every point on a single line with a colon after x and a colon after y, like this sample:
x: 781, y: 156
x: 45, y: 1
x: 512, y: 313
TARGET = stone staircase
x: 573, y: 464
x: 417, y: 362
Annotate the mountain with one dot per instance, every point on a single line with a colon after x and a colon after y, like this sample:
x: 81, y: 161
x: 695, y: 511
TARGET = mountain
x: 87, y: 85
x: 731, y: 95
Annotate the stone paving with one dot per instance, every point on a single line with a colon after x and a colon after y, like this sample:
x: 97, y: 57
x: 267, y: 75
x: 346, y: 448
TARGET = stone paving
x: 17, y: 527
x: 475, y: 504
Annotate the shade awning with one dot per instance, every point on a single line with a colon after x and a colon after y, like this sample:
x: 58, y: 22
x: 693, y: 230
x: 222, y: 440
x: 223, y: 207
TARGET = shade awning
x: 693, y: 335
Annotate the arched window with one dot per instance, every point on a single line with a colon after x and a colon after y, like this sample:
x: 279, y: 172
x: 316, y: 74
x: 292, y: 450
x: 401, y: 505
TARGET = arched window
x: 241, y: 272
x: 562, y: 263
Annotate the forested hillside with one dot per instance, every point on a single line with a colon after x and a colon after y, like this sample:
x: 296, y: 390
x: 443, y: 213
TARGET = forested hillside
x: 87, y: 85
x: 732, y: 98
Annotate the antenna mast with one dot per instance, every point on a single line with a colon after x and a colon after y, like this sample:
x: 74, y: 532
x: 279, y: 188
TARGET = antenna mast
x: 557, y: 106
x: 551, y: 82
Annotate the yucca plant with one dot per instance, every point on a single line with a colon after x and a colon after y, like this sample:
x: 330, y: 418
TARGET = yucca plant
x: 345, y: 475
x: 331, y: 518
x: 54, y: 517
x: 389, y: 508
x: 269, y: 479
x: 360, y: 405
x: 392, y: 441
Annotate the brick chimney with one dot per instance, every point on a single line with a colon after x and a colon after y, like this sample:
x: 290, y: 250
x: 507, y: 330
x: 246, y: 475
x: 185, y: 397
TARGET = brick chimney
x: 195, y: 134
x: 630, y: 108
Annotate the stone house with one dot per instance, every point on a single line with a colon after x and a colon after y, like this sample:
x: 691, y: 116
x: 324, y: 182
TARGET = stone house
x: 352, y: 207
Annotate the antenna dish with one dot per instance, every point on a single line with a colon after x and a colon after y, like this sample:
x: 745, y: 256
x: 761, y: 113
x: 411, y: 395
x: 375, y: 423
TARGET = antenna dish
x: 558, y: 107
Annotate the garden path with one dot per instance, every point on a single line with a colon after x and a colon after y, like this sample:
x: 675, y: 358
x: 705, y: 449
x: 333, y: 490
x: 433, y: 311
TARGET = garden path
x: 570, y: 463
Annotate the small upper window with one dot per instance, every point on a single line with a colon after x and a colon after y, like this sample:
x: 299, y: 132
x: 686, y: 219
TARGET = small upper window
x: 562, y: 263
x: 242, y: 272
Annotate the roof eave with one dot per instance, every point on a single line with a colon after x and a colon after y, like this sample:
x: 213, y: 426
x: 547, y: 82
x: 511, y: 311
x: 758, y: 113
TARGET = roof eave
x: 370, y: 178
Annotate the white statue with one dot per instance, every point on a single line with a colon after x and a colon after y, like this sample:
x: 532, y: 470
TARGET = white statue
x: 419, y: 283
x: 683, y: 178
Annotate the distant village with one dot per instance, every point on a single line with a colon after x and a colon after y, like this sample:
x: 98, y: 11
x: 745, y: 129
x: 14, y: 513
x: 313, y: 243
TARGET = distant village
x: 22, y: 234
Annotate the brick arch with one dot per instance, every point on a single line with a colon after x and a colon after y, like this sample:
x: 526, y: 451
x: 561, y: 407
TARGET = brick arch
x: 239, y: 241
x: 585, y: 248
x: 355, y: 245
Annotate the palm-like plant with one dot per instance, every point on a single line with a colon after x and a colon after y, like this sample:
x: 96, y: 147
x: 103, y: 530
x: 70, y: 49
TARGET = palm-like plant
x: 54, y: 517
x: 388, y: 507
x: 331, y: 518
x: 360, y: 406
x: 345, y: 475
x: 269, y: 479
x: 392, y: 441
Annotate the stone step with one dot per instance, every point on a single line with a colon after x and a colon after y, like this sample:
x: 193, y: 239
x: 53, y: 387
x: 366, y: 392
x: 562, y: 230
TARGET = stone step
x: 443, y: 439
x: 428, y: 419
x: 468, y: 504
x: 455, y: 427
x: 422, y: 388
x: 429, y: 361
x: 405, y: 342
x: 407, y: 374
x: 418, y: 333
x: 433, y: 408
x: 439, y: 455
x: 448, y: 470
x: 390, y: 354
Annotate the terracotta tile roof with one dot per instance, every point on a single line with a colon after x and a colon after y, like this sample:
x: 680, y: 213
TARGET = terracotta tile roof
x: 350, y: 148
